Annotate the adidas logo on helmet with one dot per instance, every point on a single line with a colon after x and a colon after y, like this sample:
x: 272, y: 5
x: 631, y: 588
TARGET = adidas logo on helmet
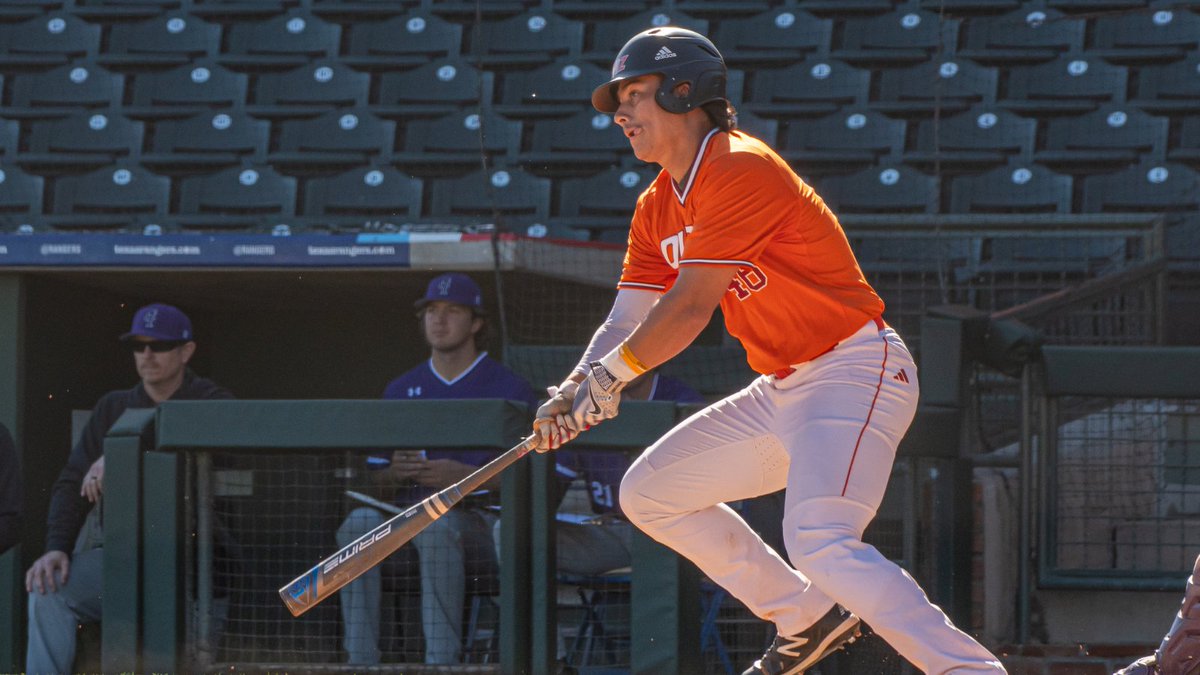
x: 664, y: 53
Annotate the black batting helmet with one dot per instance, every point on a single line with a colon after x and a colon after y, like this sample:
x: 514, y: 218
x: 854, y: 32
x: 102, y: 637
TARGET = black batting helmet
x: 679, y: 55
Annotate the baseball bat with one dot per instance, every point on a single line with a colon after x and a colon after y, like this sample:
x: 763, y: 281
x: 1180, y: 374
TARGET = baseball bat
x: 309, y: 589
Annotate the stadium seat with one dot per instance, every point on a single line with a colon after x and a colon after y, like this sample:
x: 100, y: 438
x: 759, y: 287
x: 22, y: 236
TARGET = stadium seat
x: 1072, y: 83
x: 1172, y: 89
x: 364, y: 193
x: 1149, y: 187
x: 1027, y: 35
x: 119, y: 11
x: 947, y: 85
x: 286, y: 41
x: 467, y: 9
x: 187, y: 90
x: 20, y: 193
x: 778, y: 37
x: 453, y: 143
x: 85, y: 140
x: 436, y: 88
x: 1162, y: 35
x: 849, y: 139
x: 1096, y: 5
x: 609, y: 36
x: 240, y: 197
x: 504, y: 196
x: 354, y: 12
x: 172, y: 39
x: 971, y: 7
x: 64, y: 90
x: 555, y: 89
x: 10, y: 135
x: 1053, y: 254
x: 762, y: 128
x: 985, y: 136
x: 1187, y: 149
x: 336, y: 140
x: 886, y: 188
x: 603, y: 201
x: 402, y: 41
x: 534, y: 37
x: 818, y: 86
x: 581, y: 143
x: 1114, y: 136
x: 47, y: 40
x: 845, y: 8
x: 109, y: 197
x: 1019, y: 187
x: 903, y: 36
x: 207, y: 141
x: 312, y: 88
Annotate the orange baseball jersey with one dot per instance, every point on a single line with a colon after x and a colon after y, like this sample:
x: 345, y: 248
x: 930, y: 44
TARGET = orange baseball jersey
x: 798, y: 289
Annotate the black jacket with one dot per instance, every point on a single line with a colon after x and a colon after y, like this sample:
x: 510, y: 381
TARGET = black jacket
x: 10, y: 492
x: 67, y: 508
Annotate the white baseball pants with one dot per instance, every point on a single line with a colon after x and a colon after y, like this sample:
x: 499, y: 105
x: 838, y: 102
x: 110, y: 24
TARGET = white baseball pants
x: 828, y: 433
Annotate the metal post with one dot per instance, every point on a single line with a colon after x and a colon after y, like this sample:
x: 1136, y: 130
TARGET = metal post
x: 204, y: 559
x: 1024, y: 539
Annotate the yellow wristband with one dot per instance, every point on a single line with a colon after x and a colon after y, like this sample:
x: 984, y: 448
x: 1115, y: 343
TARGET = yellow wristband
x: 634, y: 363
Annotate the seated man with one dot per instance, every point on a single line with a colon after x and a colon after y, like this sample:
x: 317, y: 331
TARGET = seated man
x: 65, y: 588
x: 1179, y: 652
x: 452, y: 321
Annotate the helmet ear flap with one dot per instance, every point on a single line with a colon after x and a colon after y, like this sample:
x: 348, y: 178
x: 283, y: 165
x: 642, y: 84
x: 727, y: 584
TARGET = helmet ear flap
x: 668, y: 100
x: 708, y: 86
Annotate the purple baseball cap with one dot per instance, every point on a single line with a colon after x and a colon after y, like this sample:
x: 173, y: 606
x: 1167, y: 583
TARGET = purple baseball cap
x: 160, y: 322
x: 453, y: 287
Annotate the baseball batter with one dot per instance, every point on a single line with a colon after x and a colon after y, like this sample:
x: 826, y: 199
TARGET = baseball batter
x: 728, y: 223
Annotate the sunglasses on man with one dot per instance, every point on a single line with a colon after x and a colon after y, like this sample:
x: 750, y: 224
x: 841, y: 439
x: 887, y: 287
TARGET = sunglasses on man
x: 157, y: 346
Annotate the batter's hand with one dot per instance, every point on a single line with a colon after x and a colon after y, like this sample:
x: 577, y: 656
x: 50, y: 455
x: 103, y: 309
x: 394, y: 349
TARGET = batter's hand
x: 597, y: 399
x: 551, y: 420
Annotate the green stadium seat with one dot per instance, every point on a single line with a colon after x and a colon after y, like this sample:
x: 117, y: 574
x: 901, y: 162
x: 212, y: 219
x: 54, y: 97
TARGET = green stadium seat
x: 887, y: 188
x: 436, y: 88
x: 1019, y: 187
x: 1161, y: 35
x: 64, y: 90
x: 457, y: 142
x: 609, y: 36
x: 171, y: 39
x: 241, y: 197
x: 1149, y: 187
x: 555, y: 89
x: 849, y: 139
x: 334, y: 141
x: 207, y: 141
x: 312, y: 88
x: 10, y: 131
x: 903, y: 36
x: 402, y: 41
x: 816, y: 87
x: 365, y: 193
x: 288, y: 40
x: 1072, y: 83
x: 188, y: 90
x: 603, y: 201
x: 1172, y: 89
x: 947, y: 85
x: 1187, y: 150
x: 581, y: 143
x: 1027, y: 35
x: 983, y: 137
x: 1114, y: 136
x: 85, y: 140
x: 534, y: 37
x: 109, y: 197
x: 505, y: 196
x: 776, y: 37
x: 47, y: 40
x: 20, y: 194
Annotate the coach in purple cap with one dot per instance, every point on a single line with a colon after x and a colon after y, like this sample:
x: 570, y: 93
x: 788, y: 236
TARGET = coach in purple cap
x: 64, y: 584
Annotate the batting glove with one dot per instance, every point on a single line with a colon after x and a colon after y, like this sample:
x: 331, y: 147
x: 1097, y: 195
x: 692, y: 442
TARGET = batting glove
x: 551, y: 420
x: 600, y: 393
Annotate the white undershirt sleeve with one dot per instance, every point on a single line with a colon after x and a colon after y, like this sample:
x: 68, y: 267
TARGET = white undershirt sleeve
x: 629, y: 310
